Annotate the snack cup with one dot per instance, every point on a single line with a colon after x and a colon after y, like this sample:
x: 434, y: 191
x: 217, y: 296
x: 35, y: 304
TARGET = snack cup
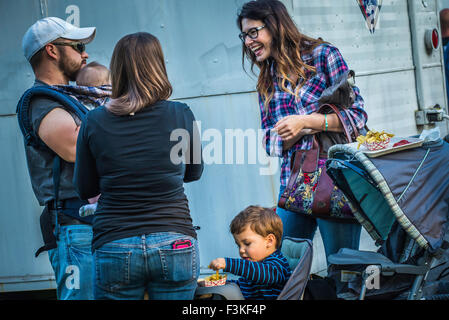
x: 378, y: 145
x: 213, y: 283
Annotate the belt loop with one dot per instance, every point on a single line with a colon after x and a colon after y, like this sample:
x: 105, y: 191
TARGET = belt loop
x: 144, y: 240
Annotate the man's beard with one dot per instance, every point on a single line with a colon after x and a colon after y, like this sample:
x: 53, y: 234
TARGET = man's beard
x: 69, y: 68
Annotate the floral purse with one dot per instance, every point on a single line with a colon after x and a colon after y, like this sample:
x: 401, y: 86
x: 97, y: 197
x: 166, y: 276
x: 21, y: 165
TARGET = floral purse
x: 310, y: 190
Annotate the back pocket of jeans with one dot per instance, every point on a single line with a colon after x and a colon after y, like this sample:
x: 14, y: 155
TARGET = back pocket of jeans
x: 112, y: 269
x: 178, y: 264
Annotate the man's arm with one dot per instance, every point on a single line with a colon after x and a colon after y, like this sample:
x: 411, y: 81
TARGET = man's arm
x: 59, y: 132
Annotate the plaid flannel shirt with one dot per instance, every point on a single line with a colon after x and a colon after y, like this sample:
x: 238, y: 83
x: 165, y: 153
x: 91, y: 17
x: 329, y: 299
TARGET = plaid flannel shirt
x: 329, y: 65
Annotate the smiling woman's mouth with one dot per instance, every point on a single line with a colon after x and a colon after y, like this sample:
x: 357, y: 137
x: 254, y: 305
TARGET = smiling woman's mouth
x: 257, y: 50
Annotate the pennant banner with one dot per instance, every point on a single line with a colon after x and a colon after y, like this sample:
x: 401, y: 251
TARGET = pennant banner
x: 370, y: 10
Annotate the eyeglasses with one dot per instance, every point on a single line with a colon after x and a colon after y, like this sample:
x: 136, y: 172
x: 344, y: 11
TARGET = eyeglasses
x: 253, y: 33
x: 78, y: 46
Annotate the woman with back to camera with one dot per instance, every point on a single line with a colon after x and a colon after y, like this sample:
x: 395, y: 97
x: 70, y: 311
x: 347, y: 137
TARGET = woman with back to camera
x: 143, y: 237
x: 294, y: 71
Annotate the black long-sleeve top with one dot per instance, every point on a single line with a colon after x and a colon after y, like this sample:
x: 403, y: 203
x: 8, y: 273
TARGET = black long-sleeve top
x: 136, y: 163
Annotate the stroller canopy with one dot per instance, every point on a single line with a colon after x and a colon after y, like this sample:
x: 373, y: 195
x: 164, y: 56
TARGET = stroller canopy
x: 409, y: 186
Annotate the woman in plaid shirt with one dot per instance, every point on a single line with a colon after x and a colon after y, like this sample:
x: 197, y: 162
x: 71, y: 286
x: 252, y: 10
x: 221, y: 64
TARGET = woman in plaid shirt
x: 294, y: 71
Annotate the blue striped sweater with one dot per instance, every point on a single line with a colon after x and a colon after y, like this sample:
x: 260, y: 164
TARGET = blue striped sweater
x: 261, y: 280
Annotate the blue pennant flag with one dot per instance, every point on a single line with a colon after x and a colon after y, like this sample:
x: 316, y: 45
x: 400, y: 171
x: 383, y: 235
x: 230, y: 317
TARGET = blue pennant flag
x: 370, y: 10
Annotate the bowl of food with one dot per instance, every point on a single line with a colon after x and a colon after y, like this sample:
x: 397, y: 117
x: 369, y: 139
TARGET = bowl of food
x: 215, y: 280
x: 374, y: 140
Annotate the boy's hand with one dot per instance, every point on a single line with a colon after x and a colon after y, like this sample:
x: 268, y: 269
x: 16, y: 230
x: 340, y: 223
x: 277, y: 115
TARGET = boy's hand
x: 217, y: 264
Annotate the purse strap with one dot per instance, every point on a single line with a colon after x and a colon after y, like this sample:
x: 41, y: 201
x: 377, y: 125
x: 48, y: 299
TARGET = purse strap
x: 355, y: 131
x: 308, y: 159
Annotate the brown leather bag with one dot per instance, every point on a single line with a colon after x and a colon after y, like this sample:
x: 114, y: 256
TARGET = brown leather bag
x: 310, y: 190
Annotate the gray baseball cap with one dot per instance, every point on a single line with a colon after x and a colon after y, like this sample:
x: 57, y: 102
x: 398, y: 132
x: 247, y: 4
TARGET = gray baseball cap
x: 49, y: 29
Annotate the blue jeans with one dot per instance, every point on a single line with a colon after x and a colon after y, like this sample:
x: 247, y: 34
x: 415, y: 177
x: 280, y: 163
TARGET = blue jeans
x: 335, y: 234
x: 72, y: 263
x: 126, y: 268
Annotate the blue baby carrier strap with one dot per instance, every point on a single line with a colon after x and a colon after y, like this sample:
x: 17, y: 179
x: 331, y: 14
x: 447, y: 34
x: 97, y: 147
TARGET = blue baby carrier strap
x: 23, y: 114
x: 68, y: 207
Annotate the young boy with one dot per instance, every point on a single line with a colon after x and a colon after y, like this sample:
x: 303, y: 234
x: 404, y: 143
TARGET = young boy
x: 263, y: 269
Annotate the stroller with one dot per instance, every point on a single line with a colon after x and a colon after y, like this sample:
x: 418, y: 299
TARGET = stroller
x: 402, y: 200
x: 298, y: 252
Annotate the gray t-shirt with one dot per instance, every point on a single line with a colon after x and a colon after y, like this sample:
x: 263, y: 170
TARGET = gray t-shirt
x: 40, y: 160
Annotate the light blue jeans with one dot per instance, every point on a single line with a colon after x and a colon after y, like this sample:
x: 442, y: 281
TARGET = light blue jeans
x: 335, y: 234
x: 126, y: 268
x: 72, y: 263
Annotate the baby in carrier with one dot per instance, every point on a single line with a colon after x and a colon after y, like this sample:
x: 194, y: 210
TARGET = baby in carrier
x: 96, y: 75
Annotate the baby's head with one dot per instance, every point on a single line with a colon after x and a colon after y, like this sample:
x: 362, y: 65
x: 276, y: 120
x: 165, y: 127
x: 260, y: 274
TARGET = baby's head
x: 257, y: 232
x: 93, y: 75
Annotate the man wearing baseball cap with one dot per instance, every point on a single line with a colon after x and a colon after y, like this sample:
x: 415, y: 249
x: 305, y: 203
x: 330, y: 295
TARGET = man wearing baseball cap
x: 56, y: 52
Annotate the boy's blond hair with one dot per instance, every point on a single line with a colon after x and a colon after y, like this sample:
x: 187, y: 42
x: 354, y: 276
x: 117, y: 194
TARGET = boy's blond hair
x: 262, y: 221
x: 93, y: 74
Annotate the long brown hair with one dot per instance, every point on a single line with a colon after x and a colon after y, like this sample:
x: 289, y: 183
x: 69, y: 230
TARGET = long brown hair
x: 286, y: 48
x: 138, y: 74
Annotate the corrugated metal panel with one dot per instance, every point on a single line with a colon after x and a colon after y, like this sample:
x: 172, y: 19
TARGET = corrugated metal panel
x: 199, y: 38
x: 224, y: 190
x: 382, y: 61
x: 16, y: 17
x: 19, y: 216
x: 430, y: 65
x: 203, y: 55
x: 342, y: 24
x: 390, y: 101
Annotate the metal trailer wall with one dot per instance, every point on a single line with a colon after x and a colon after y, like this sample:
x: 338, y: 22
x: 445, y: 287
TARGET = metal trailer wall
x: 443, y: 4
x: 203, y: 56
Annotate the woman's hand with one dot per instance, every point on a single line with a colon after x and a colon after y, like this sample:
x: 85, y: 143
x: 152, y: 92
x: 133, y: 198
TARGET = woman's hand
x: 287, y: 144
x: 294, y: 127
x: 290, y: 127
x: 217, y: 264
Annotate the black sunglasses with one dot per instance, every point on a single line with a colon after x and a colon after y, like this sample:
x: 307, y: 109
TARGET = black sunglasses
x: 78, y: 46
x: 253, y: 33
